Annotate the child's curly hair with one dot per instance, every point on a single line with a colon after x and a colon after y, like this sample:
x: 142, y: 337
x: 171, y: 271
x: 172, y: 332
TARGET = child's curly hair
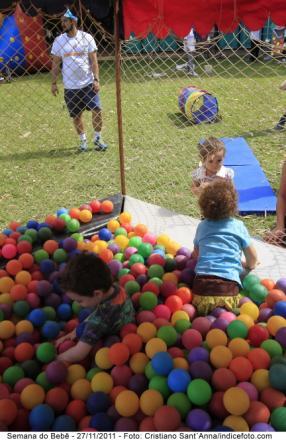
x: 218, y: 200
x: 210, y: 146
x: 85, y: 273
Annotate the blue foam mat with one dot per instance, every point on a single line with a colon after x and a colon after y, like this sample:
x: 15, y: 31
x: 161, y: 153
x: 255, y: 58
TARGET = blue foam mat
x: 254, y: 190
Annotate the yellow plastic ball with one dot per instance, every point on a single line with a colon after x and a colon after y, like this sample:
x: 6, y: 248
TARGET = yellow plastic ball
x: 216, y: 337
x: 112, y: 225
x: 85, y: 216
x: 125, y: 217
x: 220, y: 356
x: 99, y: 246
x: 155, y: 345
x: 163, y: 239
x: 80, y: 389
x: 75, y: 372
x: 7, y: 329
x: 246, y: 319
x: 172, y: 247
x: 179, y: 315
x: 236, y: 401
x: 170, y: 277
x: 23, y: 278
x: 150, y: 401
x: 32, y: 395
x: 180, y: 363
x: 146, y: 330
x: 121, y: 241
x: 138, y: 362
x: 5, y: 299
x: 250, y: 309
x: 6, y: 284
x: 102, y: 359
x: 102, y: 382
x: 24, y: 326
x: 260, y: 379
x: 127, y: 403
x: 238, y: 347
x: 274, y: 323
x: 237, y: 423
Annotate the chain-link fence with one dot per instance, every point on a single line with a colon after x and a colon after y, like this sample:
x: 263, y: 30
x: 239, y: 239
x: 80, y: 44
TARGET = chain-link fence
x: 41, y: 169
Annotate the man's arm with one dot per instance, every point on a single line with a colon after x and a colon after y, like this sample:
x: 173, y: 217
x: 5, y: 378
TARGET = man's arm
x: 95, y: 69
x: 56, y: 67
x: 76, y: 353
x: 281, y: 201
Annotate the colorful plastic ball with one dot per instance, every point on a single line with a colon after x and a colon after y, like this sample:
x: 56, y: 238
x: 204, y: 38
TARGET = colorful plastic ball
x: 160, y: 383
x: 280, y: 308
x: 259, y: 358
x: 24, y: 351
x: 98, y: 402
x: 118, y: 354
x: 102, y: 359
x: 241, y: 367
x: 258, y: 293
x: 272, y: 347
x: 236, y: 423
x: 262, y: 427
x: 80, y: 389
x: 220, y: 356
x: 150, y: 402
x: 166, y: 418
x: 178, y: 380
x: 239, y: 347
x: 46, y: 352
x: 155, y: 271
x: 277, y: 376
x: 272, y: 398
x: 201, y: 369
x: 9, y: 251
x: 201, y: 324
x: 56, y: 372
x: 162, y: 363
x: 134, y: 343
x: 281, y: 284
x: 6, y: 284
x: 8, y: 411
x: 199, y: 392
x: 198, y: 354
x: 13, y: 267
x: 236, y: 401
x: 76, y: 409
x: 250, y: 389
x: 50, y: 330
x: 216, y: 406
x: 127, y: 403
x: 180, y: 315
x: 249, y: 281
x: 73, y: 225
x: 260, y: 379
x: 199, y: 420
x: 216, y: 337
x: 57, y: 398
x: 41, y: 417
x: 257, y: 334
x: 146, y: 331
x: 250, y: 309
x: 7, y: 329
x: 174, y: 303
x: 223, y: 379
x: 64, y: 423
x: 168, y: 334
x: 237, y: 329
x: 275, y: 323
x: 180, y: 402
x: 154, y: 346
x: 32, y: 395
x: 102, y: 382
x: 278, y: 419
x: 191, y: 339
x: 148, y: 300
x: 12, y: 375
x: 257, y: 413
x: 280, y: 337
x: 107, y: 206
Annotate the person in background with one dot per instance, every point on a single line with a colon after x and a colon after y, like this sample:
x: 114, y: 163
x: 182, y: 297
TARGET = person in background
x: 281, y: 123
x: 219, y: 242
x: 189, y: 48
x: 255, y: 37
x: 212, y: 152
x: 76, y: 51
x: 278, y: 234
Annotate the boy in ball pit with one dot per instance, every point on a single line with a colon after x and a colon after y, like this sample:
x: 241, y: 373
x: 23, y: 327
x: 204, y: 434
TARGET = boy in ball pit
x: 87, y: 280
x: 218, y: 244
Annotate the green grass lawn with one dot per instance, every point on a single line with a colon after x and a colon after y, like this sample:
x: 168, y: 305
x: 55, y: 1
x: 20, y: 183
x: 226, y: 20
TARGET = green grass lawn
x: 42, y: 171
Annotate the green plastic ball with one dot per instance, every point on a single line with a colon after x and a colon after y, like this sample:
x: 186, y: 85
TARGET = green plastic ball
x: 32, y: 233
x: 78, y: 237
x: 135, y: 241
x: 76, y: 308
x: 148, y: 300
x: 258, y: 293
x: 145, y: 249
x: 32, y: 368
x: 13, y: 374
x: 45, y: 233
x: 50, y: 312
x: 273, y: 348
x: 25, y: 237
x: 182, y: 325
x: 60, y: 255
x: 278, y: 419
x: 40, y: 255
x: 149, y: 371
x: 168, y: 334
x: 73, y: 226
x: 180, y: 401
x: 46, y: 352
x: 277, y: 376
x: 122, y: 272
x: 43, y: 381
x: 156, y: 271
x: 65, y: 217
x: 156, y: 280
x: 199, y: 392
x: 170, y: 265
x: 131, y: 287
x: 91, y: 373
x: 160, y: 384
x: 120, y: 231
x: 120, y: 257
x: 136, y: 258
x: 237, y: 329
x: 21, y: 308
x: 249, y: 281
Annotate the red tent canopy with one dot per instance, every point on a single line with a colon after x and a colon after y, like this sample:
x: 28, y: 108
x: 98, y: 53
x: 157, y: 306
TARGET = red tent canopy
x: 177, y: 16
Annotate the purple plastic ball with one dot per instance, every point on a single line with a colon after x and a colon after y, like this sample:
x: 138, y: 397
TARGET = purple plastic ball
x: 53, y: 300
x: 44, y: 288
x: 56, y: 372
x: 262, y: 427
x: 220, y: 323
x: 138, y: 383
x: 126, y: 425
x: 217, y: 311
x: 69, y: 244
x: 114, y: 248
x: 281, y: 284
x: 201, y: 369
x: 184, y: 251
x: 244, y: 300
x: 198, y: 354
x: 199, y: 420
x: 187, y: 276
x: 115, y: 266
x: 181, y: 261
x: 142, y: 279
x: 264, y: 314
x: 281, y: 337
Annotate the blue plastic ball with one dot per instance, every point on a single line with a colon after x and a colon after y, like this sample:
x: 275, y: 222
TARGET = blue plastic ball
x: 32, y: 224
x: 162, y: 363
x: 21, y: 229
x: 41, y: 417
x: 62, y: 211
x: 47, y: 266
x: 37, y: 317
x: 102, y: 422
x: 104, y: 234
x: 280, y: 308
x: 69, y: 244
x: 64, y: 311
x: 7, y: 231
x: 178, y: 380
x: 64, y: 423
x: 50, y: 330
x: 98, y: 402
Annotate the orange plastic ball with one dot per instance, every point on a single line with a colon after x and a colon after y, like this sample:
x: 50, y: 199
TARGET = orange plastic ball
x: 237, y: 423
x: 107, y: 206
x: 118, y: 354
x: 275, y: 295
x: 242, y: 368
x: 13, y: 267
x: 112, y: 225
x: 50, y: 246
x: 23, y: 277
x: 185, y: 294
x: 85, y: 216
x: 8, y: 411
x: 57, y: 398
x: 268, y: 283
x: 24, y: 351
x: 7, y: 329
x: 106, y: 255
x: 150, y: 401
x: 127, y: 403
x: 138, y: 362
x: 18, y: 292
x: 134, y: 342
x: 140, y: 230
x: 74, y: 213
x: 27, y: 260
x: 155, y: 345
x: 32, y: 395
x: 236, y: 401
x: 220, y: 356
x: 24, y: 326
x: 239, y: 347
x: 260, y: 379
x: 125, y: 217
x: 146, y: 330
x: 259, y: 358
x: 6, y: 284
x: 81, y: 389
x: 216, y: 337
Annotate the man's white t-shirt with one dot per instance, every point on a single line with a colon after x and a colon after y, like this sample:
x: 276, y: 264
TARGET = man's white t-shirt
x: 76, y: 69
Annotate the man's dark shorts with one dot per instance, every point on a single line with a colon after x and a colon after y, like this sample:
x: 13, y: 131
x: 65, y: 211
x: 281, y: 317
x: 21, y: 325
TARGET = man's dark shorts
x: 78, y: 100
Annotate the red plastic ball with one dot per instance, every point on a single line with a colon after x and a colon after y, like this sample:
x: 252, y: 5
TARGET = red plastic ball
x: 257, y: 334
x: 259, y: 358
x: 167, y: 419
x: 76, y: 409
x: 57, y: 398
x: 8, y: 411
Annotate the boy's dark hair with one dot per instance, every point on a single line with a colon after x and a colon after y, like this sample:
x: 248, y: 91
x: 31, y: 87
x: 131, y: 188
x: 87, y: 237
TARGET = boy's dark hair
x: 218, y: 200
x: 210, y: 146
x: 85, y: 273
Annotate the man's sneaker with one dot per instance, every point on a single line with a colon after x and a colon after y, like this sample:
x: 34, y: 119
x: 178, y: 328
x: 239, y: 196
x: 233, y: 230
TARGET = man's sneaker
x: 83, y: 147
x: 99, y: 145
x: 279, y: 127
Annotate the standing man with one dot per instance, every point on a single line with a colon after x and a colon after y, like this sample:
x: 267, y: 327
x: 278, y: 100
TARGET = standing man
x: 76, y: 51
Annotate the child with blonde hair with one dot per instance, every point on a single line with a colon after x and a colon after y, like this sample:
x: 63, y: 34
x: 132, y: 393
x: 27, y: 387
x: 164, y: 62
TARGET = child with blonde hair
x: 219, y: 242
x: 212, y: 152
